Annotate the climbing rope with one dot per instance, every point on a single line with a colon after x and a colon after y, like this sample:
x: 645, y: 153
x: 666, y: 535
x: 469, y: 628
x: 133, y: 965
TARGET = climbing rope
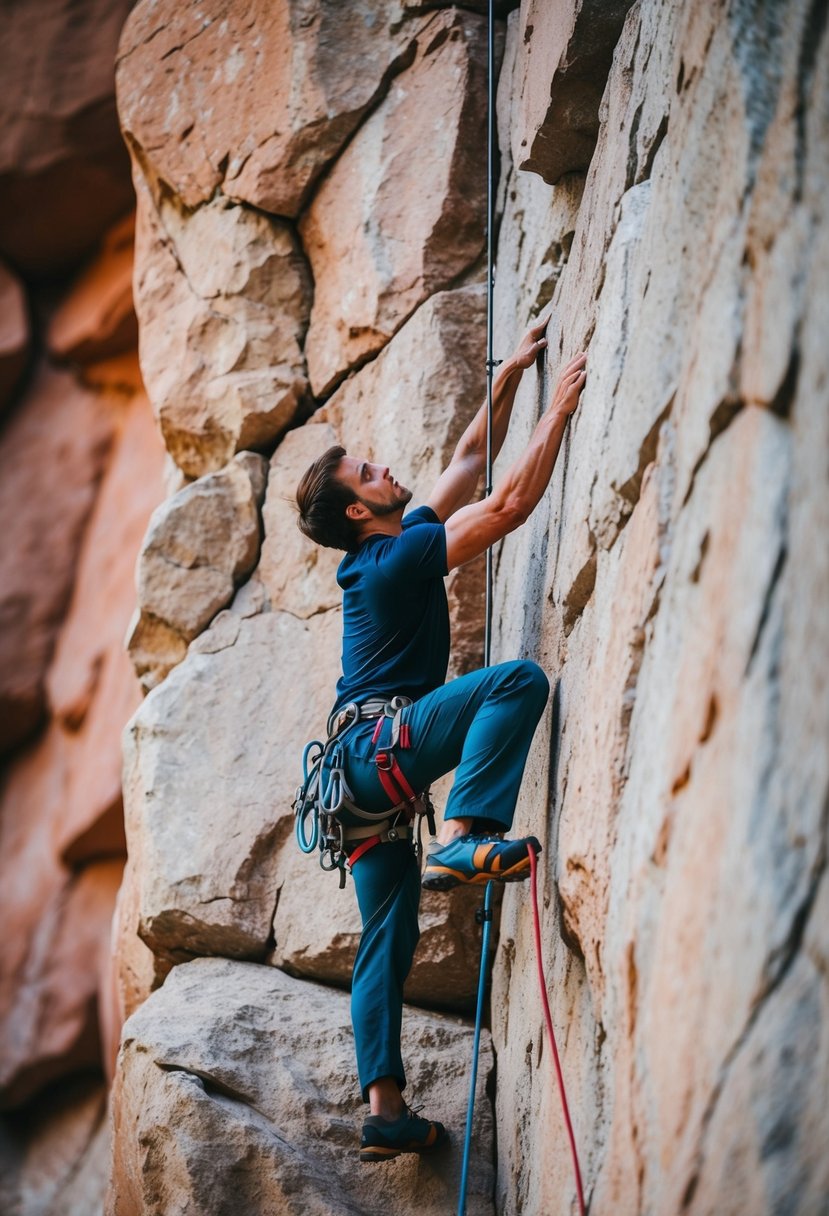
x: 484, y: 915
x: 551, y: 1033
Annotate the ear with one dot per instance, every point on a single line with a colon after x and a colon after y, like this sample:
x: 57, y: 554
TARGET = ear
x: 356, y: 510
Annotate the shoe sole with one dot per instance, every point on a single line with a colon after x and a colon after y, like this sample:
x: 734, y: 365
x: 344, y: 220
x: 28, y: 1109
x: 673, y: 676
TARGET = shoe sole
x: 441, y: 878
x: 375, y: 1152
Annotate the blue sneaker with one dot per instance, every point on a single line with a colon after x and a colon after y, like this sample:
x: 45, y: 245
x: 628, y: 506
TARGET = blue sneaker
x: 477, y: 859
x: 383, y: 1139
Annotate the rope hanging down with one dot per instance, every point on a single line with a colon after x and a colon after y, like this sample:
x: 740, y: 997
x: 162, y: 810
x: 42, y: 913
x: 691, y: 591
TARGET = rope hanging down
x: 485, y: 914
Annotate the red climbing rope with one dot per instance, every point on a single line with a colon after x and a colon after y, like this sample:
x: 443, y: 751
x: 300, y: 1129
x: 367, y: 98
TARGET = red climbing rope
x: 543, y: 984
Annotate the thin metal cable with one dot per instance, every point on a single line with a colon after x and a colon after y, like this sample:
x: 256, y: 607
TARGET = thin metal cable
x: 490, y: 368
x: 490, y: 363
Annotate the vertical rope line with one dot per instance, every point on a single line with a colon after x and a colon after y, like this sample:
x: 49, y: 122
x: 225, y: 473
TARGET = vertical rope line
x: 476, y: 1045
x: 490, y: 365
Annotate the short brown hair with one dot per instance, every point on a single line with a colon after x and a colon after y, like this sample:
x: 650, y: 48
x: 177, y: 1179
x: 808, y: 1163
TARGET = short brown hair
x: 322, y: 500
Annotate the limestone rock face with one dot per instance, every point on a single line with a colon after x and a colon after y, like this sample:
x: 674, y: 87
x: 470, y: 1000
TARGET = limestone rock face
x: 400, y: 215
x: 222, y: 297
x: 684, y: 896
x: 560, y: 81
x: 14, y: 334
x: 97, y: 318
x: 60, y: 137
x: 191, y: 104
x: 52, y: 455
x: 251, y: 1064
x: 205, y: 889
x: 200, y: 544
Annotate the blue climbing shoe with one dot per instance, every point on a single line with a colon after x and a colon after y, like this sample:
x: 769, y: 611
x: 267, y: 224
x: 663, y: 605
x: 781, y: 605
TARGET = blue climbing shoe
x: 383, y: 1139
x: 477, y: 859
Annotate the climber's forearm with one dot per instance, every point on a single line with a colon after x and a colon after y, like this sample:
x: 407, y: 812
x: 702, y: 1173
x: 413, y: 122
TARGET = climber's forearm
x: 471, y: 530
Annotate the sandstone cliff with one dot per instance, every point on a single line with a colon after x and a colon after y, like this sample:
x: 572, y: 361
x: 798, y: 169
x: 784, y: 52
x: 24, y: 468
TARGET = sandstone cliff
x: 310, y: 225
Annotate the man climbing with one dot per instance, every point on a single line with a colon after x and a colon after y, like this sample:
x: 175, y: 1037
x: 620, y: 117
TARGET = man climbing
x: 396, y: 645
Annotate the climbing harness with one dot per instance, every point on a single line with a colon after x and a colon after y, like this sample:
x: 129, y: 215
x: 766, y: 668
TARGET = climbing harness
x: 484, y: 915
x: 325, y: 793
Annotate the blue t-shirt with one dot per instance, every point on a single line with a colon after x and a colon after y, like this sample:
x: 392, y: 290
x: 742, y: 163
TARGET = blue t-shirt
x: 395, y: 615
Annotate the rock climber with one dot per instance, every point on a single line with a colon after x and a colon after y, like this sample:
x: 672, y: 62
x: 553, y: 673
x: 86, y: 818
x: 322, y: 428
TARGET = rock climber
x: 396, y: 644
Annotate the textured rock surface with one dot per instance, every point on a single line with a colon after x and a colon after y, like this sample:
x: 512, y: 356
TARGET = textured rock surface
x: 399, y: 216
x: 97, y: 318
x: 687, y: 844
x: 192, y: 109
x: 559, y: 82
x: 60, y: 138
x: 222, y: 296
x: 52, y: 454
x: 247, y: 1062
x: 200, y: 545
x: 228, y: 708
x: 14, y: 334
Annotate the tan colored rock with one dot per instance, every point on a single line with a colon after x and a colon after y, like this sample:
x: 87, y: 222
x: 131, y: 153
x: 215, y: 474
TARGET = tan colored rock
x: 14, y: 334
x: 200, y: 544
x: 566, y: 54
x: 97, y: 319
x: 64, y: 173
x: 684, y: 858
x: 222, y: 296
x: 189, y: 100
x: 56, y: 1156
x: 232, y: 704
x: 400, y: 215
x: 52, y: 455
x: 58, y: 926
x: 250, y: 1065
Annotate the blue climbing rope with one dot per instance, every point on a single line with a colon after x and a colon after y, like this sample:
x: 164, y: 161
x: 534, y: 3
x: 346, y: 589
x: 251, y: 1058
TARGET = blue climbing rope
x: 476, y: 1043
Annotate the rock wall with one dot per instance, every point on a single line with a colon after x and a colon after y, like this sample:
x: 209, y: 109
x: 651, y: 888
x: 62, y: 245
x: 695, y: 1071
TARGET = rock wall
x: 81, y: 469
x: 310, y: 224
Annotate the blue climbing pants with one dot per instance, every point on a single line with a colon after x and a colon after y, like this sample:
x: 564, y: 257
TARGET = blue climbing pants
x: 482, y: 726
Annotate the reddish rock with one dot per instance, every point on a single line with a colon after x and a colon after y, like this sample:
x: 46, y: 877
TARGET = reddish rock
x: 190, y: 100
x: 401, y: 213
x: 52, y: 455
x: 54, y: 1154
x: 55, y: 946
x: 14, y: 334
x: 561, y: 74
x: 64, y: 172
x: 97, y: 320
x: 91, y: 687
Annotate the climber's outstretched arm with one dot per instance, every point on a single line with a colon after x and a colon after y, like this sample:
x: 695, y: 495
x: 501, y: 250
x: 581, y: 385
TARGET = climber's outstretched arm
x: 474, y: 528
x: 457, y: 484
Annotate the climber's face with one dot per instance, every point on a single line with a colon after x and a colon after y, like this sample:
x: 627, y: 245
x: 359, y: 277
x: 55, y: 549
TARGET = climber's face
x: 373, y: 485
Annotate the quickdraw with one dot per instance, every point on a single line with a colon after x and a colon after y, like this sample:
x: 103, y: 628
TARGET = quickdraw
x: 325, y: 793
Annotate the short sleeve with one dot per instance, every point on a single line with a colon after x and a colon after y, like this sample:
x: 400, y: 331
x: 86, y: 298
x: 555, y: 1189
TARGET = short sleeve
x: 420, y: 550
